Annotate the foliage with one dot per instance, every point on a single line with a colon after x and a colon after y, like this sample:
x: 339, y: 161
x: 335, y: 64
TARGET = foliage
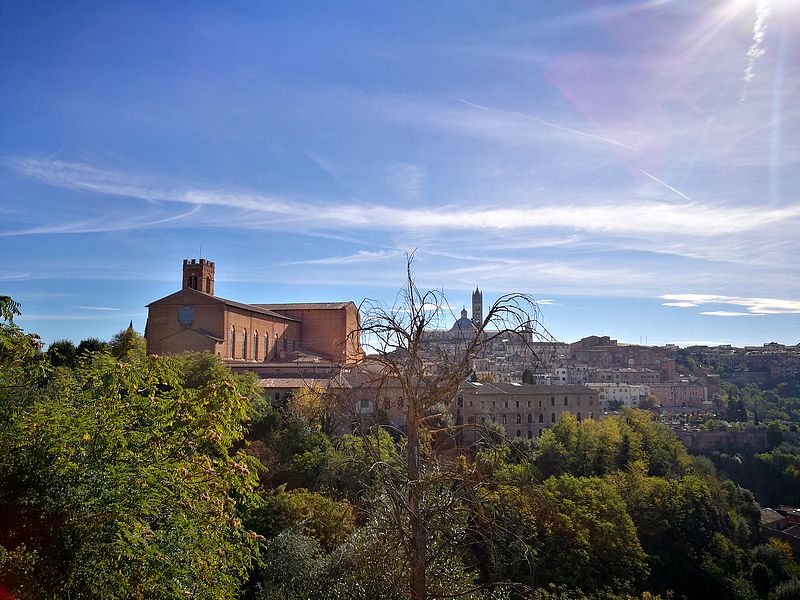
x: 119, y: 479
x: 774, y: 476
x: 127, y: 342
x: 328, y: 521
x: 62, y: 353
x: 92, y: 344
x: 129, y: 476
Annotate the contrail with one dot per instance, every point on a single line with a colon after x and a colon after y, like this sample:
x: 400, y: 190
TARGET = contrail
x: 756, y: 51
x: 545, y: 123
x: 666, y: 185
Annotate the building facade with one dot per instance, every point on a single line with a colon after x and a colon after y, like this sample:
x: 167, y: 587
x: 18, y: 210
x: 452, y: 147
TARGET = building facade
x: 194, y: 319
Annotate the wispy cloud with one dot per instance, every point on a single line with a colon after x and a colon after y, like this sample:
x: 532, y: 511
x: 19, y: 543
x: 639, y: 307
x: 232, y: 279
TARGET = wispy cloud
x: 626, y: 217
x: 545, y: 123
x: 407, y: 179
x: 98, y: 226
x: 755, y: 306
x: 68, y: 317
x: 685, y: 343
x: 358, y: 257
x: 728, y: 313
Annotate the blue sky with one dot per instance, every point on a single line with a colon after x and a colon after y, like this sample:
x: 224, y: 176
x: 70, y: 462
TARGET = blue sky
x: 634, y: 165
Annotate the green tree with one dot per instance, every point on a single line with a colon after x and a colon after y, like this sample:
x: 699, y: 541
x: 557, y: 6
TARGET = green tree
x: 314, y: 515
x: 62, y: 353
x: 120, y: 480
x: 127, y: 342
x: 91, y: 344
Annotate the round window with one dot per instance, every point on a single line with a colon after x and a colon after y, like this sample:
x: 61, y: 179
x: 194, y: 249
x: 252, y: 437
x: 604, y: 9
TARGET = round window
x: 186, y: 316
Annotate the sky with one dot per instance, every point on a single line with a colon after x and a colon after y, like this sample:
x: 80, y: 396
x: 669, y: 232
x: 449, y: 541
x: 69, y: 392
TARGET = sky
x: 633, y: 165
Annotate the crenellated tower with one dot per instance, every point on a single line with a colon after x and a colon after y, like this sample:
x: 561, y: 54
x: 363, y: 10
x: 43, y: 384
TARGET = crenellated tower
x: 198, y: 275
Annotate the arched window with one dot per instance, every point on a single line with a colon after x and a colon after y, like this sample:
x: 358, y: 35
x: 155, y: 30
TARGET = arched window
x: 232, y: 343
x: 530, y: 418
x: 244, y: 344
x: 504, y: 419
x: 552, y: 417
x: 541, y: 418
x: 519, y: 419
x: 275, y: 347
x: 565, y: 400
x: 552, y: 400
x: 255, y: 345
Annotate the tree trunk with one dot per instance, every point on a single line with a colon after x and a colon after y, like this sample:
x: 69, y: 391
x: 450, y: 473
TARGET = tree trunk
x: 418, y: 542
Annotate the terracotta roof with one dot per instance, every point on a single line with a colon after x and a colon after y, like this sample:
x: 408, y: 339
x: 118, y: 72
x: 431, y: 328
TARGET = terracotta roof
x: 295, y: 382
x: 262, y: 309
x: 304, y: 305
x: 207, y: 334
x: 770, y: 516
x: 259, y: 308
x: 524, y: 388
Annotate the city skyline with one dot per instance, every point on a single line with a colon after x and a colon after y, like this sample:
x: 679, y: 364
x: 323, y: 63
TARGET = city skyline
x: 632, y: 165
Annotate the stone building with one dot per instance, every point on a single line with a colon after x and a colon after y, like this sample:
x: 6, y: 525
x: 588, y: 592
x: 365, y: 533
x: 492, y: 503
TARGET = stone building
x: 613, y: 395
x: 523, y: 410
x: 257, y: 337
x: 683, y: 394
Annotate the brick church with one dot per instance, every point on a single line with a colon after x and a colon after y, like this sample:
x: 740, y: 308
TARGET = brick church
x: 255, y: 337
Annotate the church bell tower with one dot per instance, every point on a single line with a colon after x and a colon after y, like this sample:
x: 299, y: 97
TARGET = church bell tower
x: 198, y: 275
x: 477, y: 307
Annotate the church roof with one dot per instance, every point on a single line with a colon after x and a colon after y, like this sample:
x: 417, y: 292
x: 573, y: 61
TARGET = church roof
x: 257, y: 308
x: 305, y: 306
x: 464, y: 323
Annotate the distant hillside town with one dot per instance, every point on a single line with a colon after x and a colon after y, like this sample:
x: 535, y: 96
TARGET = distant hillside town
x: 518, y: 382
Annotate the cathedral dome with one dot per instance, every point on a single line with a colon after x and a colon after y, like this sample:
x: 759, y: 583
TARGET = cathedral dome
x: 464, y: 323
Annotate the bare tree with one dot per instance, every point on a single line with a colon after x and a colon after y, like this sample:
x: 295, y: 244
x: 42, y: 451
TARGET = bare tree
x: 404, y: 353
